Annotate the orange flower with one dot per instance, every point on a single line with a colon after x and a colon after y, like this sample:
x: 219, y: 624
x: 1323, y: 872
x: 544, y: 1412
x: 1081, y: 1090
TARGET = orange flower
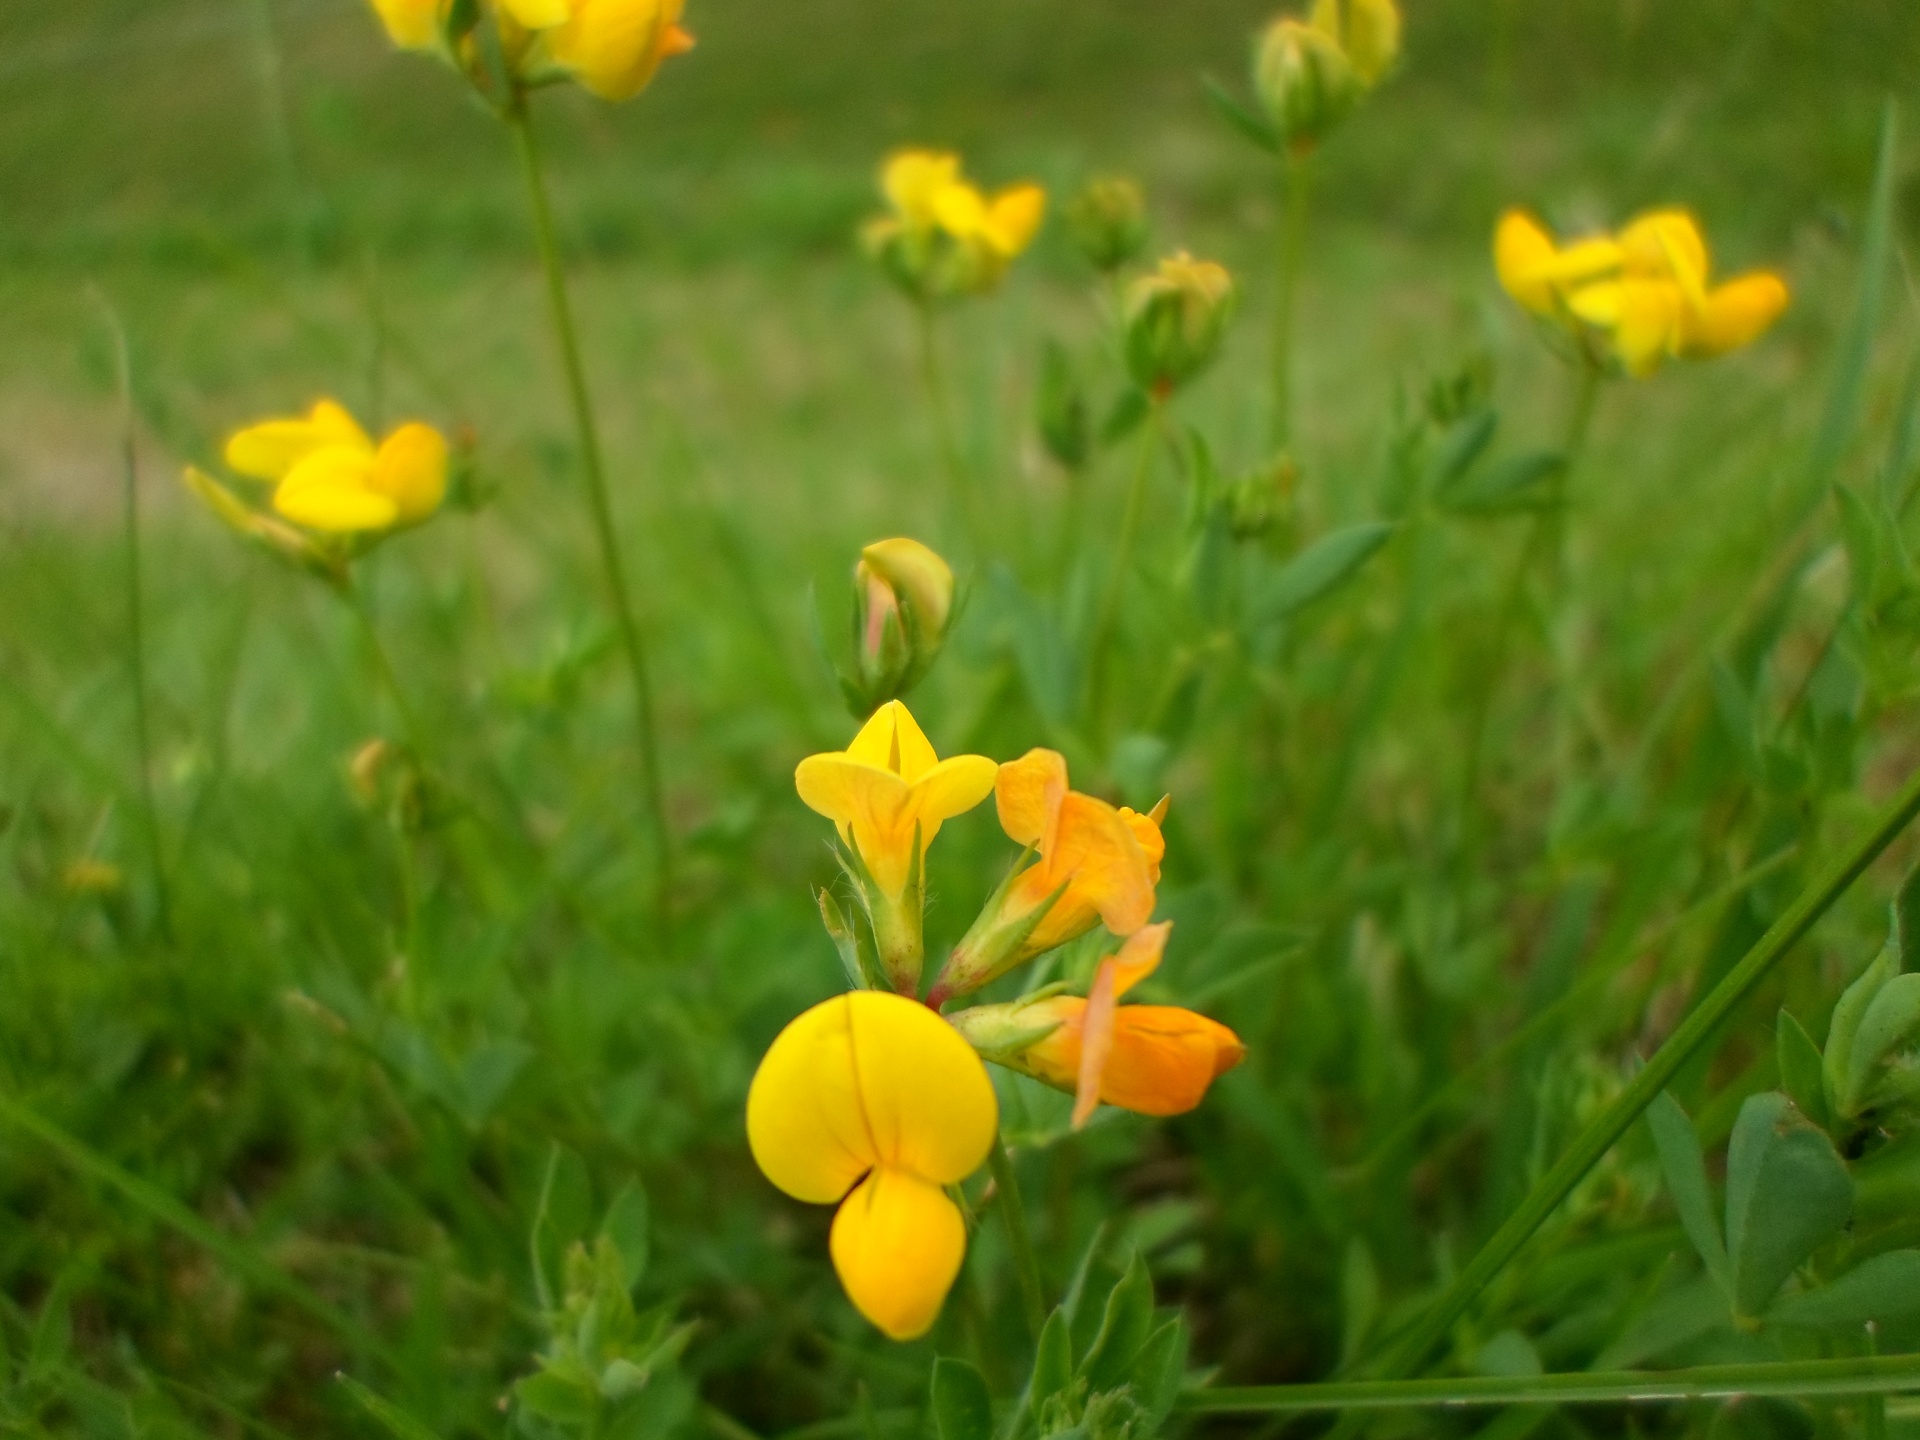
x: 1097, y: 864
x: 1151, y: 1059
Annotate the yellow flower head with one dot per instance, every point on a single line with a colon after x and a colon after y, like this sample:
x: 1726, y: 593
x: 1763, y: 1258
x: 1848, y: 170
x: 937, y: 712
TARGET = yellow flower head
x: 1664, y: 305
x: 943, y: 235
x: 329, y: 476
x: 1539, y: 272
x: 1367, y: 32
x: 1096, y: 864
x: 873, y: 1101
x: 1150, y: 1059
x: 611, y: 47
x: 912, y: 181
x: 412, y: 24
x: 888, y: 786
x: 1176, y: 318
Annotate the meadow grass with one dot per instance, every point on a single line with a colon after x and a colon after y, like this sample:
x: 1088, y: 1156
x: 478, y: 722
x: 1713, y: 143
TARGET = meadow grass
x: 380, y: 1064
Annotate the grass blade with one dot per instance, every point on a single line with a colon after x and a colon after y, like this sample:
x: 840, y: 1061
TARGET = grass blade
x: 395, y: 1421
x: 1882, y: 1375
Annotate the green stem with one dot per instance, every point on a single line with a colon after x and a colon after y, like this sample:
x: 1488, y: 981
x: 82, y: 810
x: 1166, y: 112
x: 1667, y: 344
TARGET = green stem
x: 1108, y: 616
x: 1606, y: 1128
x: 1887, y: 1375
x: 1025, y: 1263
x: 136, y: 623
x: 1573, y: 448
x: 384, y: 673
x: 593, y: 471
x: 933, y: 379
x: 1294, y: 197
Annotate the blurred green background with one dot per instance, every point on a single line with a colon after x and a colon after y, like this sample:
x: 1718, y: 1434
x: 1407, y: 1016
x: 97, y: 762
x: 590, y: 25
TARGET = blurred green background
x: 278, y: 207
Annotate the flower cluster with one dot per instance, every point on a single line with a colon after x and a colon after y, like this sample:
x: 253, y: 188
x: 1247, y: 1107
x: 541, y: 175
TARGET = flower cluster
x: 610, y: 48
x: 1310, y: 74
x: 333, y: 491
x: 1639, y: 298
x: 875, y: 1100
x: 942, y: 236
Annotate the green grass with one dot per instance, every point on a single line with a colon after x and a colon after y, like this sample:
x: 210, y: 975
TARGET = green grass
x: 271, y: 1094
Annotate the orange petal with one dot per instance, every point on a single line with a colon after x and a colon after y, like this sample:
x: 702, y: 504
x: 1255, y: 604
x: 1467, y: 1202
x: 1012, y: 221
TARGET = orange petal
x: 1164, y: 1059
x: 1096, y: 1042
x: 1021, y: 793
x: 1734, y: 314
x: 1140, y: 956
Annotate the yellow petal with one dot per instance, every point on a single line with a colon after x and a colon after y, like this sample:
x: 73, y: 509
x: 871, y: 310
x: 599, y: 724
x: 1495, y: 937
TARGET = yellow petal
x: 917, y: 570
x: 614, y: 47
x: 950, y: 788
x: 1734, y: 314
x: 897, y: 1244
x: 870, y: 807
x: 411, y: 24
x: 1521, y: 247
x: 893, y: 740
x: 1647, y: 328
x: 1667, y: 245
x: 1097, y: 848
x: 1028, y: 791
x: 269, y: 450
x: 930, y: 1108
x: 806, y: 1124
x: 329, y: 490
x: 911, y: 179
x: 960, y: 210
x: 1146, y: 830
x: 540, y: 14
x: 1014, y: 218
x: 410, y: 469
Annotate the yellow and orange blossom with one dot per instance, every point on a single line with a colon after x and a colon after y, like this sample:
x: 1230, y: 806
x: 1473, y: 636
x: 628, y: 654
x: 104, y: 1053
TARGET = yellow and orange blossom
x: 1096, y: 864
x: 874, y: 1102
x: 1150, y: 1059
x: 610, y: 47
x: 328, y: 474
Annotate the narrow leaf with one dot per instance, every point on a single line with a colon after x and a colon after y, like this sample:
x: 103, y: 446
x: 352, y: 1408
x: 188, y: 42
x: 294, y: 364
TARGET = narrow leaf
x: 1123, y: 1330
x: 1685, y: 1169
x: 1320, y: 569
x: 1788, y: 1193
x: 1879, y: 1291
x: 1052, y: 1362
x: 1513, y: 484
x: 395, y: 1421
x: 1801, y: 1070
x: 1848, y: 1012
x: 962, y: 1407
x: 1239, y: 117
x: 1460, y: 447
x: 629, y: 1226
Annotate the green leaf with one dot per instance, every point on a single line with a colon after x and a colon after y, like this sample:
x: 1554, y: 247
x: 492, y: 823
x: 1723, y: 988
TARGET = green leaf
x: 1903, y: 451
x: 1130, y: 409
x: 1359, y: 1300
x: 1512, y: 484
x: 1159, y: 1370
x: 1685, y: 1169
x: 1052, y: 1361
x: 628, y: 1226
x: 1123, y: 1330
x: 1906, y: 921
x: 1239, y: 117
x: 485, y: 1077
x: 1876, y: 1292
x: 1887, y: 1028
x: 1801, y: 1073
x: 1460, y: 448
x: 1788, y: 1193
x: 1861, y: 532
x: 555, y: 1397
x: 1848, y: 1012
x: 1320, y: 569
x: 962, y: 1407
x: 391, y: 1417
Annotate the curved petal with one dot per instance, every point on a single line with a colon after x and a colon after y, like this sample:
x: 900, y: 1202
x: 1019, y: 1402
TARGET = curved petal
x: 1643, y: 316
x: 411, y: 24
x: 845, y: 789
x: 1667, y: 245
x: 1521, y: 247
x: 1164, y: 1058
x: 806, y: 1124
x: 1096, y: 846
x: 919, y: 571
x: 1146, y: 830
x: 540, y: 14
x: 614, y: 47
x: 929, y: 1105
x: 898, y: 1243
x: 1734, y: 314
x: 1014, y: 218
x: 1022, y: 792
x: 951, y: 788
x: 1096, y: 1043
x: 1140, y: 956
x: 328, y: 490
x: 410, y: 469
x: 270, y: 450
x: 893, y: 740
x: 960, y: 210
x: 911, y: 178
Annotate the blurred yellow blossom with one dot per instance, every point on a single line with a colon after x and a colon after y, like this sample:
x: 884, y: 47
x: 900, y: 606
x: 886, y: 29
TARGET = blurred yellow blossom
x: 1367, y: 32
x: 330, y: 476
x: 412, y: 24
x: 942, y: 235
x: 1175, y: 319
x: 612, y: 48
x: 874, y: 1102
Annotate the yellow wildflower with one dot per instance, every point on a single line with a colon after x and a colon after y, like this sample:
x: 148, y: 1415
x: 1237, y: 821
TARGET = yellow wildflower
x: 1539, y: 272
x: 1367, y: 32
x: 611, y: 47
x: 1176, y: 318
x: 942, y: 235
x: 874, y: 1102
x: 330, y: 476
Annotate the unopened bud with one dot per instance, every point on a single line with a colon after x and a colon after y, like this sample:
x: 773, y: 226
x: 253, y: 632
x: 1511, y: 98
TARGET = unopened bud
x: 1305, y: 81
x: 1368, y: 31
x: 1262, y: 499
x: 1108, y: 220
x: 1175, y: 320
x: 1066, y: 419
x: 903, y: 601
x: 367, y: 767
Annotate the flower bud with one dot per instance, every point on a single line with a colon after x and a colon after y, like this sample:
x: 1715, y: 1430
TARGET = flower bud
x: 1175, y: 319
x: 1305, y: 81
x: 903, y: 599
x: 1367, y: 31
x: 1262, y: 499
x: 1108, y: 221
x: 1065, y: 416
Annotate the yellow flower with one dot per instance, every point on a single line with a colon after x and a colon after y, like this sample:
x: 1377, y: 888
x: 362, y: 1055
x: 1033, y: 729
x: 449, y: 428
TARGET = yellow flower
x: 1663, y: 304
x: 611, y: 47
x: 885, y: 792
x: 912, y: 181
x: 412, y: 24
x: 942, y: 235
x: 914, y: 571
x: 1305, y: 81
x: 1367, y: 31
x: 330, y: 476
x: 1097, y: 864
x: 1539, y: 272
x: 1151, y: 1059
x: 873, y: 1101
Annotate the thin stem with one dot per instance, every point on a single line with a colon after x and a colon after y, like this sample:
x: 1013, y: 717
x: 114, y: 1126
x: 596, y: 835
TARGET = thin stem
x: 388, y: 677
x: 1885, y: 1375
x: 593, y: 471
x: 933, y: 379
x: 1599, y: 1137
x: 1109, y: 613
x: 136, y: 625
x: 1295, y: 193
x: 1573, y: 448
x: 1025, y: 1263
